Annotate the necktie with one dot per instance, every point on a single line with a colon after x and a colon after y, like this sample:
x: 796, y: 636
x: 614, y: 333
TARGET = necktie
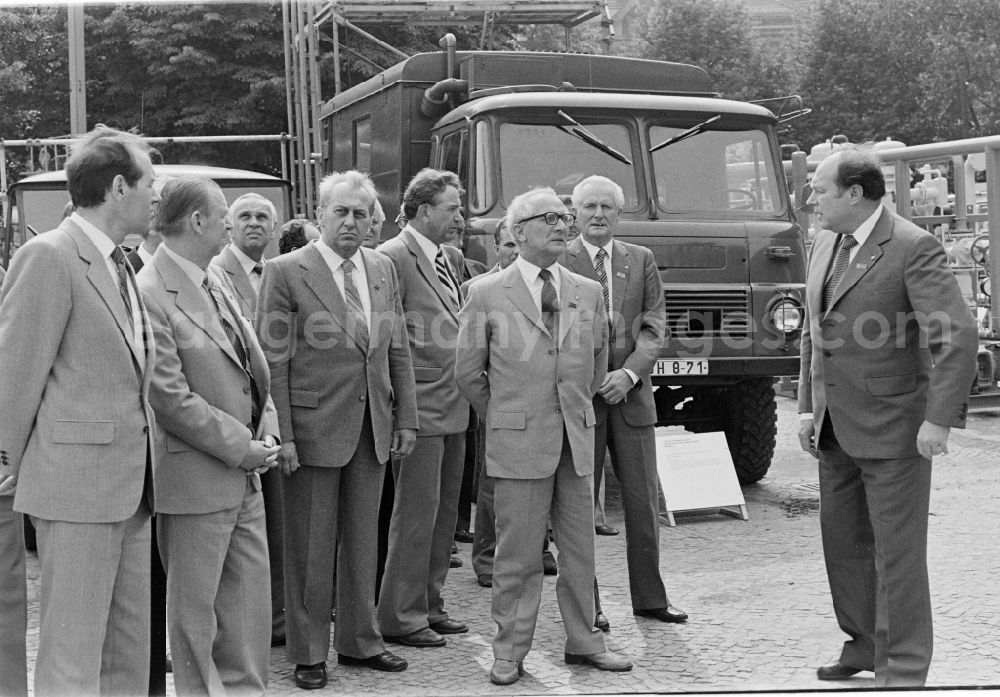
x: 550, y: 305
x: 602, y: 276
x: 258, y: 268
x: 118, y: 256
x: 446, y: 277
x: 357, y: 311
x: 840, y: 265
x: 228, y: 321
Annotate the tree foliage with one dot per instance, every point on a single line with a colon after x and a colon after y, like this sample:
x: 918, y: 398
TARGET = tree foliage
x: 715, y: 35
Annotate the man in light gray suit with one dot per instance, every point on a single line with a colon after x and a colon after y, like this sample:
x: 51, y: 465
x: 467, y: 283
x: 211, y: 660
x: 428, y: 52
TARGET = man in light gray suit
x: 14, y: 598
x: 210, y: 396
x: 254, y: 220
x: 888, y: 358
x: 410, y: 608
x: 626, y: 413
x: 532, y: 352
x: 77, y: 361
x: 331, y: 322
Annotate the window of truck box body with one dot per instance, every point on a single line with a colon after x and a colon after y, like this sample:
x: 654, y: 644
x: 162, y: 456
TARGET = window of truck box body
x: 727, y: 172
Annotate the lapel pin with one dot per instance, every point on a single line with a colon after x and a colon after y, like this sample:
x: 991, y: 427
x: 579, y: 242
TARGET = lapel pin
x: 572, y: 306
x: 861, y: 267
x: 619, y: 274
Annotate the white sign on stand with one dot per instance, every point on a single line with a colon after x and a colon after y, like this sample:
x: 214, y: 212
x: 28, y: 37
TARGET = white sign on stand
x: 697, y: 474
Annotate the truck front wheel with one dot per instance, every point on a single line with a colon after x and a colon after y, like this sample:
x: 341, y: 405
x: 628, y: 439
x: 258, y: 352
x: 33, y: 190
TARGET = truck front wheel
x: 751, y: 425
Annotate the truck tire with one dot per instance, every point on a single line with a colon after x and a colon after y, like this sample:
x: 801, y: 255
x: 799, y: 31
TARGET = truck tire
x: 751, y: 426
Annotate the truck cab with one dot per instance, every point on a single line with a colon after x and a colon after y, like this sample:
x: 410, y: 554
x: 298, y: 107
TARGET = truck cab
x: 704, y: 191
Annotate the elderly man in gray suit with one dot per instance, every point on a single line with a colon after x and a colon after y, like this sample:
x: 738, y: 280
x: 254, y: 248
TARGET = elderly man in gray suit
x: 626, y: 413
x: 878, y: 400
x: 331, y: 322
x: 210, y: 396
x: 77, y: 361
x: 410, y: 608
x: 14, y: 599
x: 254, y: 220
x: 532, y: 352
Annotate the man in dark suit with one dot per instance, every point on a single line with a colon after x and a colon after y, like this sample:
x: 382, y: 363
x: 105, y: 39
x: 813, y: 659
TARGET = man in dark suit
x: 532, y: 352
x: 14, y: 598
x: 331, y: 323
x: 888, y: 358
x: 410, y: 608
x: 626, y: 413
x: 210, y: 396
x: 72, y: 325
x: 242, y: 262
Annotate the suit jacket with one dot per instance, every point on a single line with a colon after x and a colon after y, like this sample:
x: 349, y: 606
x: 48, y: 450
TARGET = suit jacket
x: 896, y: 347
x: 238, y: 282
x: 638, y: 322
x: 465, y: 285
x: 526, y: 384
x: 201, y: 394
x: 432, y: 328
x: 79, y: 437
x: 321, y: 383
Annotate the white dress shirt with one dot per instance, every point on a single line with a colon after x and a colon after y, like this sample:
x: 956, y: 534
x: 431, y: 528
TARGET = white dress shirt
x: 529, y: 272
x: 247, y: 264
x: 360, y: 278
x: 592, y: 250
x: 106, y: 247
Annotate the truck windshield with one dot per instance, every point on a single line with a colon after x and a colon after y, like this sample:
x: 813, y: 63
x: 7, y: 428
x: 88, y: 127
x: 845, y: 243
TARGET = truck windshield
x: 715, y: 172
x: 544, y: 155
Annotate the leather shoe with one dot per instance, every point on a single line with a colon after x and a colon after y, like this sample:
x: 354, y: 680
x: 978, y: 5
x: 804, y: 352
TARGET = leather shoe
x: 836, y: 671
x: 605, y: 530
x: 485, y: 580
x: 385, y: 661
x: 506, y: 672
x: 311, y: 677
x: 601, y: 622
x: 664, y: 614
x: 449, y: 627
x: 463, y: 536
x: 454, y: 563
x: 608, y: 660
x: 422, y: 638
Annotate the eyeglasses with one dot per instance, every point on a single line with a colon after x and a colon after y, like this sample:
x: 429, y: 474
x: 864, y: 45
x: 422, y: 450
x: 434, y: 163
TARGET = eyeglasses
x: 551, y: 218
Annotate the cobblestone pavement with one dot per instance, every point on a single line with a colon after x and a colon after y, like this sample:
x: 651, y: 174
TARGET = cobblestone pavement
x: 761, y: 617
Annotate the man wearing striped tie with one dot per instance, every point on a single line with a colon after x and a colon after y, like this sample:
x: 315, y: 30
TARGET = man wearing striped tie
x: 210, y: 395
x: 411, y: 609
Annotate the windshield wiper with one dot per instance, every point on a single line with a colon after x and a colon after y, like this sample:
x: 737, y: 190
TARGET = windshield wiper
x: 589, y: 138
x: 694, y: 130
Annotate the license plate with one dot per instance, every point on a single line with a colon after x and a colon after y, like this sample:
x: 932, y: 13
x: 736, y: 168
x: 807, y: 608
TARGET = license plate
x: 666, y: 368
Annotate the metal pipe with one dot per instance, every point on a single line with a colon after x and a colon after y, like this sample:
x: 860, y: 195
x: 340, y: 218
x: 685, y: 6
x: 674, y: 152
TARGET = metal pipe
x: 959, y: 207
x: 993, y: 215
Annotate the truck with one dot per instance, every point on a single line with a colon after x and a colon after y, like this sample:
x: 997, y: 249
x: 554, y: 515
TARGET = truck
x: 704, y: 187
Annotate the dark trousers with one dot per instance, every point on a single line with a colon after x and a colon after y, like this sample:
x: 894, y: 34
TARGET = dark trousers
x: 873, y: 518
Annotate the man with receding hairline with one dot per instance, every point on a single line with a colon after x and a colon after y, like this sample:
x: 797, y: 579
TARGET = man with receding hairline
x: 210, y: 395
x: 532, y: 352
x: 331, y: 322
x: 875, y: 412
x: 77, y: 361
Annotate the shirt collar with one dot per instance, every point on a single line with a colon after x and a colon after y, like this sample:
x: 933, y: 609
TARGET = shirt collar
x: 143, y: 254
x: 429, y: 248
x: 865, y: 229
x: 245, y: 262
x: 190, y: 269
x: 334, y: 259
x: 530, y: 271
x: 100, y: 239
x: 593, y: 249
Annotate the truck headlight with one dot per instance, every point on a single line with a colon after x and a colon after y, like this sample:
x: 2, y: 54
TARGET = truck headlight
x: 786, y: 315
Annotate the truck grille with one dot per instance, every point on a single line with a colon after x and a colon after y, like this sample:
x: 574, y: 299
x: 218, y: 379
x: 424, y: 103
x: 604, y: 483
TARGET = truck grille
x: 707, y: 313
